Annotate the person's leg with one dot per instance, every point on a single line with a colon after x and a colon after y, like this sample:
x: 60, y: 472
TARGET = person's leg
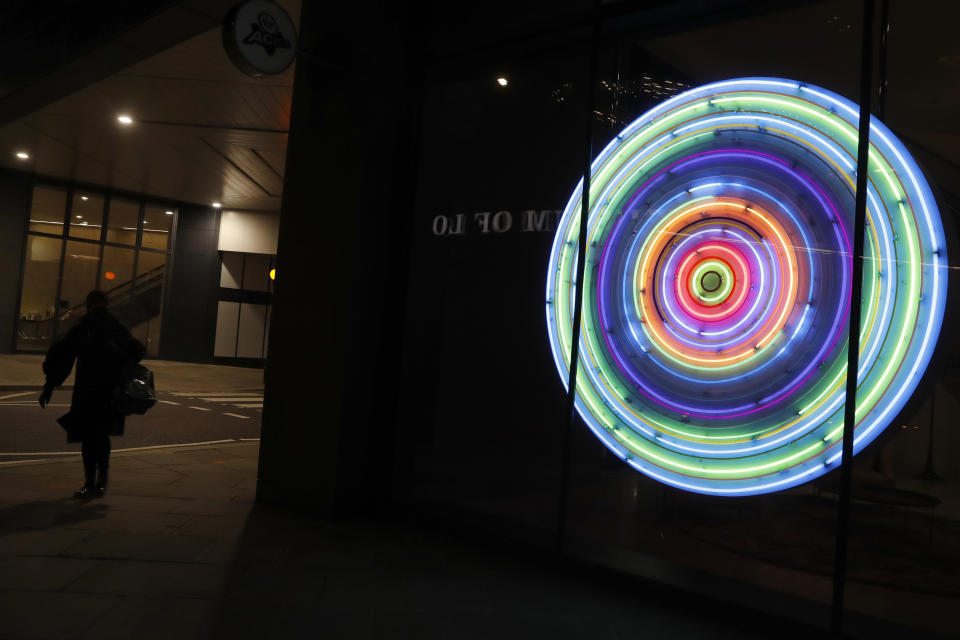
x: 103, y: 465
x: 88, y: 454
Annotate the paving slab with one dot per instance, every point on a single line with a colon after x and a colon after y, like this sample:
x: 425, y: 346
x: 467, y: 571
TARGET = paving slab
x: 177, y: 549
x: 154, y: 547
x: 42, y: 542
x: 53, y: 513
x: 156, y: 579
x: 155, y: 618
x: 43, y: 573
x: 43, y: 615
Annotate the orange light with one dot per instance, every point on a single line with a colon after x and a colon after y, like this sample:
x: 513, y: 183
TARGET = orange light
x: 273, y: 274
x: 110, y: 275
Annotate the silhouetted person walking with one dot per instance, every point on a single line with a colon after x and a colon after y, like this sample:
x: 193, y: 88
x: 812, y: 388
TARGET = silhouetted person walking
x: 101, y: 347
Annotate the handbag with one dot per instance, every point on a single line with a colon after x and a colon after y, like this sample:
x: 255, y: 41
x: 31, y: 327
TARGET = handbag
x: 136, y: 393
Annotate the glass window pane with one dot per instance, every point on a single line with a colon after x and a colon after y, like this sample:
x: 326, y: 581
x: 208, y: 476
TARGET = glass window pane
x: 116, y: 279
x: 47, y: 209
x: 37, y: 302
x: 80, y: 262
x: 903, y: 551
x: 122, y: 221
x: 157, y: 224
x: 86, y: 216
x: 117, y: 270
x: 147, y: 301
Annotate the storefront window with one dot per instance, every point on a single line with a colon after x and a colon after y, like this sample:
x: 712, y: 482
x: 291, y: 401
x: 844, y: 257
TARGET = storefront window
x: 148, y: 299
x: 904, y: 517
x: 47, y: 210
x: 122, y: 221
x: 117, y: 274
x: 134, y: 277
x: 717, y: 285
x: 86, y: 216
x: 157, y: 227
x: 38, y: 303
x: 80, y: 263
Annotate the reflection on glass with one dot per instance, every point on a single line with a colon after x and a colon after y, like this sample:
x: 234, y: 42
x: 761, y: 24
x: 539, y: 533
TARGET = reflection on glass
x: 117, y: 269
x: 80, y: 262
x: 86, y: 216
x: 47, y: 210
x: 146, y: 301
x: 38, y: 300
x: 905, y: 508
x: 157, y: 225
x: 122, y: 221
x: 703, y: 403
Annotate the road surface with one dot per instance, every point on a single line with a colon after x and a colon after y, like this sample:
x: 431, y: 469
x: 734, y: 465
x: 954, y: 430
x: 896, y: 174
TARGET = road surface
x: 27, y: 430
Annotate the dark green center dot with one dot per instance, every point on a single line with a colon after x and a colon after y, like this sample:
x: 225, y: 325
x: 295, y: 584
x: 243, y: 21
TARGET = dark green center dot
x: 711, y: 281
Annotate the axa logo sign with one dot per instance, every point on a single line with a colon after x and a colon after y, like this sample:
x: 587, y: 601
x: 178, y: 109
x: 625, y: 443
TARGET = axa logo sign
x: 260, y: 38
x: 265, y: 33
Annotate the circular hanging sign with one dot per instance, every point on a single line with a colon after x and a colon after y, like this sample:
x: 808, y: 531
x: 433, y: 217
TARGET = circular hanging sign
x: 260, y: 38
x: 717, y: 286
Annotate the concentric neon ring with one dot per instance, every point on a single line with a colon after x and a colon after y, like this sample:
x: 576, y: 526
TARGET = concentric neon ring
x: 734, y: 384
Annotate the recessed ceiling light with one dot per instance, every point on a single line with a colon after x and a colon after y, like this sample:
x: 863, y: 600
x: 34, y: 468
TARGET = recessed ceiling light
x: 23, y: 155
x: 217, y: 205
x: 84, y: 198
x: 169, y: 213
x: 502, y: 81
x: 124, y: 119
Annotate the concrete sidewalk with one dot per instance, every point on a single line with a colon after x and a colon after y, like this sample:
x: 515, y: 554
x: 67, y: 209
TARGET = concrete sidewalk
x: 24, y: 371
x: 178, y: 549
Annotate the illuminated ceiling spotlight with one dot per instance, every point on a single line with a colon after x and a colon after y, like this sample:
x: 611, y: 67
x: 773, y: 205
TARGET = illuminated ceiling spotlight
x: 502, y: 81
x: 23, y: 155
x: 216, y: 205
x: 124, y: 119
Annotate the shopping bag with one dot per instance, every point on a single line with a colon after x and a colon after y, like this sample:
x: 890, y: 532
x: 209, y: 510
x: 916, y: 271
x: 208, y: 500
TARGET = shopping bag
x: 136, y: 393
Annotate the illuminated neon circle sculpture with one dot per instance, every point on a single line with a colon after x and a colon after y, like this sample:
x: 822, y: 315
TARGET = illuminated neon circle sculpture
x: 717, y: 286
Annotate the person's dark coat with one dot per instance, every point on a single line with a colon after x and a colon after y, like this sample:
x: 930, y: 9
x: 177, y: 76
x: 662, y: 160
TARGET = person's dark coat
x: 101, y: 347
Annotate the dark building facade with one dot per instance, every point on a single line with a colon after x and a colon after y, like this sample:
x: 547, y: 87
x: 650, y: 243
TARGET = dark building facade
x: 389, y: 228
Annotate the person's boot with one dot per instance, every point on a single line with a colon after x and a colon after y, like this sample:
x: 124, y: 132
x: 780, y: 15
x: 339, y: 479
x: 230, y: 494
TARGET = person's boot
x: 103, y: 474
x: 88, y: 490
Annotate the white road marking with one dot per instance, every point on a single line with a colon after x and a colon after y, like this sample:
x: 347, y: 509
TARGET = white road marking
x: 168, y: 402
x: 245, y: 394
x: 257, y: 405
x: 17, y: 395
x: 200, y: 408
x: 237, y: 415
x: 153, y: 446
x: 230, y: 399
x: 31, y: 403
